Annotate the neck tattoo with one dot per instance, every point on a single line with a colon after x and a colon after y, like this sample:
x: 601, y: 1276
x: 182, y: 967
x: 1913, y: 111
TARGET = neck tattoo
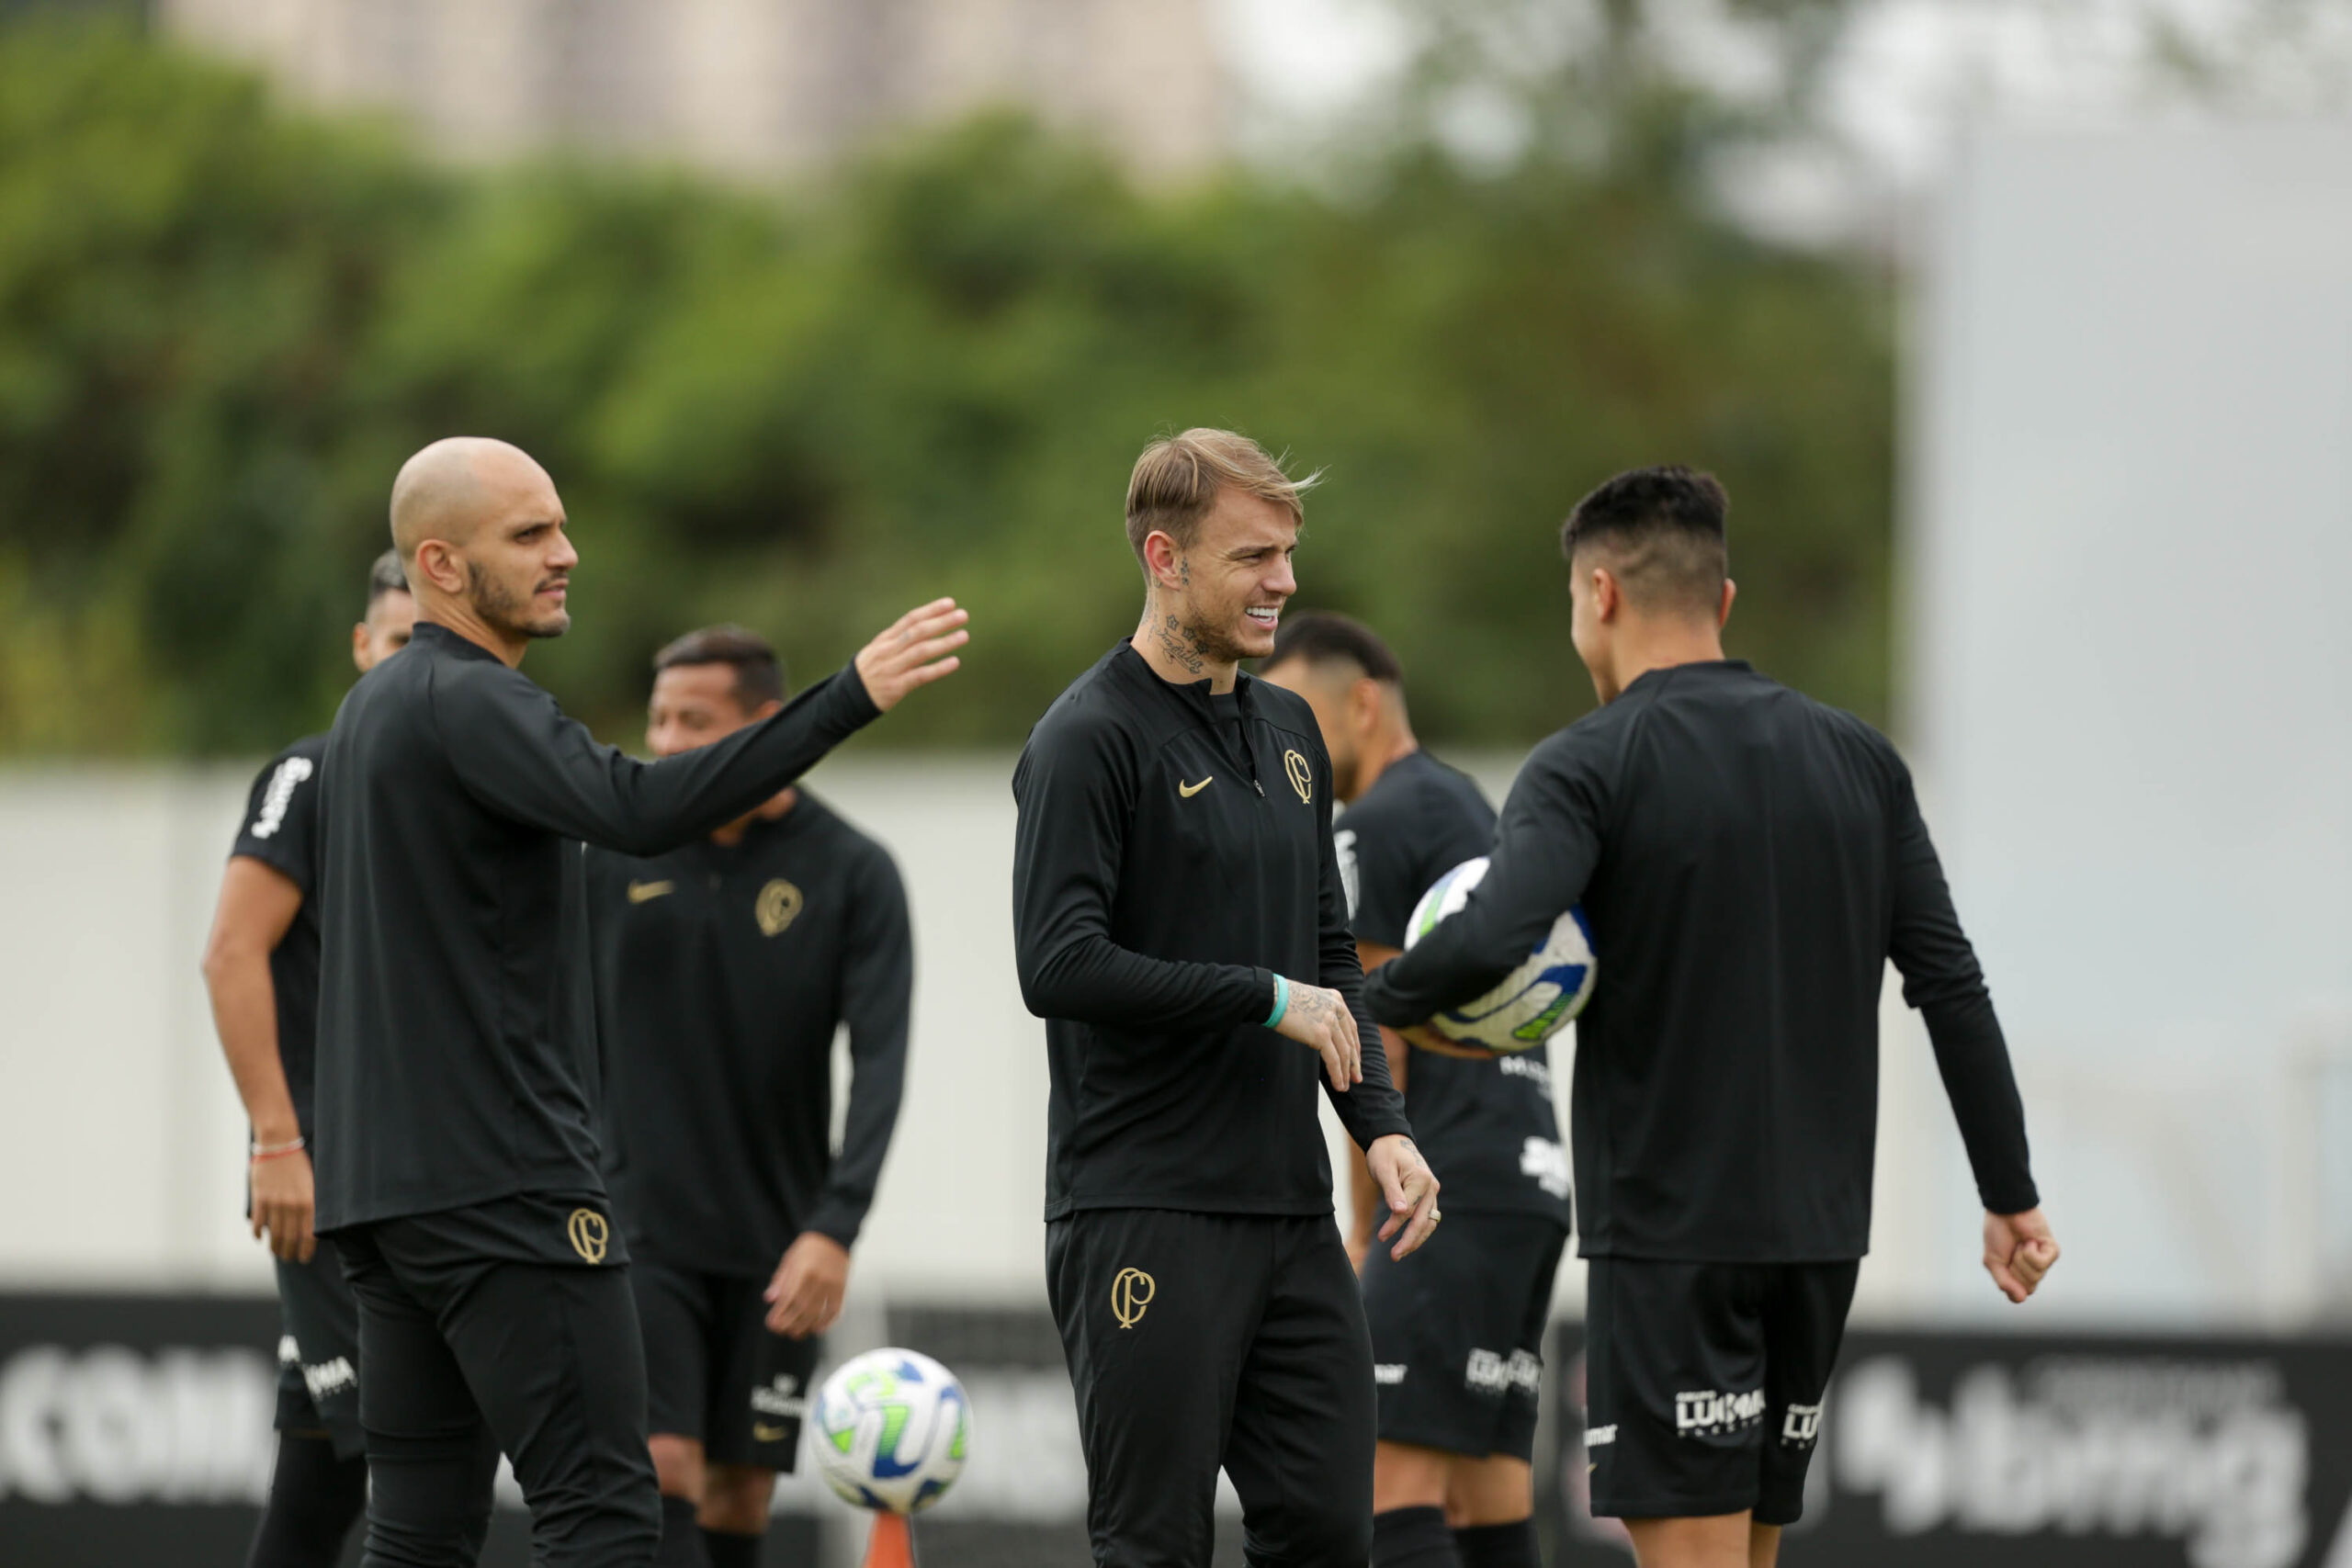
x: 1180, y: 643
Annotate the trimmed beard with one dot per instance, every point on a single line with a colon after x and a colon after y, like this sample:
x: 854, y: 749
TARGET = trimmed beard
x: 1215, y: 644
x: 501, y: 611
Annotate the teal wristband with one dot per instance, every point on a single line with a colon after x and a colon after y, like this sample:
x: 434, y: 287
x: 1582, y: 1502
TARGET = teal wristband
x: 1281, y: 1001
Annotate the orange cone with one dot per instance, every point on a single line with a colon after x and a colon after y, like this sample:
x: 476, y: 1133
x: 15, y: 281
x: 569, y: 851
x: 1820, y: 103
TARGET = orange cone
x: 893, y: 1542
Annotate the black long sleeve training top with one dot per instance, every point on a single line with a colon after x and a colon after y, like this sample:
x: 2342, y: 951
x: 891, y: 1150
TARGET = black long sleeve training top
x: 1487, y: 1128
x: 455, y: 1054
x: 1749, y: 860
x: 280, y: 830
x: 1174, y: 854
x: 721, y: 972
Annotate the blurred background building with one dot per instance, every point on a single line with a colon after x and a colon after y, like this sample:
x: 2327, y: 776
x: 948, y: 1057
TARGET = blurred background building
x: 738, y: 87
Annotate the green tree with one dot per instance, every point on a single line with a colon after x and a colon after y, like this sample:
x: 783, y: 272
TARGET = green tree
x: 222, y: 326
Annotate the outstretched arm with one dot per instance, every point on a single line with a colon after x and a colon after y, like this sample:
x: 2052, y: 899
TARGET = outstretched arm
x: 517, y: 753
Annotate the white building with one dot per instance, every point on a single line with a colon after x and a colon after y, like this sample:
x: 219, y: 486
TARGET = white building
x: 754, y: 88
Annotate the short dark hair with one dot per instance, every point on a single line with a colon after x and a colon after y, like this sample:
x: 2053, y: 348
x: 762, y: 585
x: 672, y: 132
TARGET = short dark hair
x: 1665, y: 528
x: 759, y: 673
x: 386, y: 577
x: 1320, y: 638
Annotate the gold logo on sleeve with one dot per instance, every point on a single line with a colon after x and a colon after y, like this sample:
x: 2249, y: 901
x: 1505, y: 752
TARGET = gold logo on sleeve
x: 638, y: 892
x: 778, y: 906
x: 763, y: 1432
x: 589, y: 1233
x: 1302, y: 777
x: 1131, y: 1292
x: 1188, y: 791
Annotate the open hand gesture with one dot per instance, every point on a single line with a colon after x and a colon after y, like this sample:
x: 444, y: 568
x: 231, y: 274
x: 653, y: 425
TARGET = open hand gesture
x: 913, y: 651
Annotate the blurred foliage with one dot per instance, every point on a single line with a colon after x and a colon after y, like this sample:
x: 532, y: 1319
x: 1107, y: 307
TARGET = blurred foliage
x: 222, y: 326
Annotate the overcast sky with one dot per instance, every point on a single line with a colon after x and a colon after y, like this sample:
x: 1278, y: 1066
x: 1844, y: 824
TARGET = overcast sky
x: 1911, y: 74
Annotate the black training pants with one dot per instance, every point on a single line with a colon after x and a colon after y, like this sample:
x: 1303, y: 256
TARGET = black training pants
x: 464, y: 1355
x: 1200, y: 1340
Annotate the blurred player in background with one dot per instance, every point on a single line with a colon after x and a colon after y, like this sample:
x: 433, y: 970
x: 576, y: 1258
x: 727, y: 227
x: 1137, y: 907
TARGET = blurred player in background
x: 1750, y: 860
x: 1180, y: 923
x: 261, y: 966
x: 460, y: 1168
x: 722, y: 970
x: 1457, y: 1336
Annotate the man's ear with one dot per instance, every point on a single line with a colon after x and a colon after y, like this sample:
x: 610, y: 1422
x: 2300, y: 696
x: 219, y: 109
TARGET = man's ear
x: 438, y: 564
x: 1363, y: 702
x: 1722, y: 611
x: 766, y: 709
x: 1608, y: 595
x: 360, y: 645
x: 1163, y: 560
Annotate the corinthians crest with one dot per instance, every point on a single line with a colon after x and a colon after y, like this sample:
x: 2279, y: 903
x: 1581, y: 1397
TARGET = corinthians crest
x: 777, y: 907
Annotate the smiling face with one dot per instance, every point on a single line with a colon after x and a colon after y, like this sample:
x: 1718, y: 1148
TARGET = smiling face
x: 1227, y: 588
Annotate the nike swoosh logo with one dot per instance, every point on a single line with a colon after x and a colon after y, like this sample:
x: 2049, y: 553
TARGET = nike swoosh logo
x: 638, y: 892
x: 1188, y: 791
x: 764, y: 1433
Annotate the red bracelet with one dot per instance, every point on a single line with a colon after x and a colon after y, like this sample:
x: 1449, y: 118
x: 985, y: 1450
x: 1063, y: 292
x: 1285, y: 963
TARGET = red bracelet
x: 276, y: 1151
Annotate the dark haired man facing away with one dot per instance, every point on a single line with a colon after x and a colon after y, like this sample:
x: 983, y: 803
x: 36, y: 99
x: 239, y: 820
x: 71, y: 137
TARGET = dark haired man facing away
x: 261, y: 968
x: 722, y: 970
x: 459, y: 1169
x: 1750, y: 860
x: 1457, y: 1334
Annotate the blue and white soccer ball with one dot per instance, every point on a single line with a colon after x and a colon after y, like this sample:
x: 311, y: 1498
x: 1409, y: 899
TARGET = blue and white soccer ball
x: 1536, y: 1000
x: 892, y: 1430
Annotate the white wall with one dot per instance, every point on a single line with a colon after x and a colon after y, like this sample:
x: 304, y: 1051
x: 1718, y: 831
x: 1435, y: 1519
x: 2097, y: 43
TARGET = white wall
x: 121, y: 1130
x: 2131, y: 681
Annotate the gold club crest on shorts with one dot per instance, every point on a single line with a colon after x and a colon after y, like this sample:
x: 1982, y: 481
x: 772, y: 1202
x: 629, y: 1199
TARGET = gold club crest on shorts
x: 1302, y: 777
x: 1131, y: 1292
x: 589, y: 1233
x: 778, y: 904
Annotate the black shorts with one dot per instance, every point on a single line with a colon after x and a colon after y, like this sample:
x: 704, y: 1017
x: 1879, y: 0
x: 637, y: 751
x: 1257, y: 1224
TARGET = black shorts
x: 1703, y: 1383
x: 1457, y: 1333
x: 1200, y: 1341
x: 318, y: 1351
x: 714, y: 1373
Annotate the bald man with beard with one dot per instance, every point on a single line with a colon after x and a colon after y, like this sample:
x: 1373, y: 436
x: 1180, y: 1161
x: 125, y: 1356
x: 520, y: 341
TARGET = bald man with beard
x: 458, y: 1170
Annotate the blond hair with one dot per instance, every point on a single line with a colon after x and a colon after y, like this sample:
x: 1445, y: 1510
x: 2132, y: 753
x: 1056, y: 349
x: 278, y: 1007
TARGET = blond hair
x: 1177, y: 479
